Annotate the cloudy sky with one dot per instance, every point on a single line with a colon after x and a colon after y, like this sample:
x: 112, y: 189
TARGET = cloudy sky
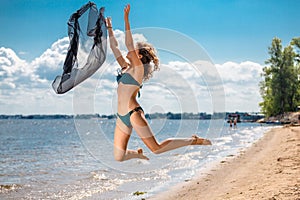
x: 209, y: 49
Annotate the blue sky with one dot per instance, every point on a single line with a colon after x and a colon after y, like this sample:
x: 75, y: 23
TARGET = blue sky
x: 236, y: 35
x: 230, y: 30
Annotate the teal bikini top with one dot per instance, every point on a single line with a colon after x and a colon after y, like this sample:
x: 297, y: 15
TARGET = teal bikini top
x: 127, y: 79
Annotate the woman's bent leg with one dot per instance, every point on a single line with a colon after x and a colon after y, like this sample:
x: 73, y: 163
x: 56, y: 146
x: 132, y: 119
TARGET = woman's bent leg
x: 143, y: 129
x: 121, y: 139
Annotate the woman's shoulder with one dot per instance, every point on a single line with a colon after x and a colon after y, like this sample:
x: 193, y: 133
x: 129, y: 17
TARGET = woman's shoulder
x: 134, y: 59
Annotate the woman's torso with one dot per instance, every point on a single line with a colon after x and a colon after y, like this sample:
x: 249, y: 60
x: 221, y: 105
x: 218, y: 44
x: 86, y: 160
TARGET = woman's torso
x: 128, y: 87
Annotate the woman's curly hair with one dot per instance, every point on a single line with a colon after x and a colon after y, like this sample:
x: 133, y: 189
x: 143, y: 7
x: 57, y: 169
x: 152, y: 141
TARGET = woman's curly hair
x: 149, y: 55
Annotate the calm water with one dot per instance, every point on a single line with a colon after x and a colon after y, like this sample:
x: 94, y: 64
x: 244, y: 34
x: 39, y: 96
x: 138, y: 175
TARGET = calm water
x: 73, y: 159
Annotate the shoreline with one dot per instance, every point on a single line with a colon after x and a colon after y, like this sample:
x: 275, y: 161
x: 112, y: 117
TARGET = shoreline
x: 269, y: 169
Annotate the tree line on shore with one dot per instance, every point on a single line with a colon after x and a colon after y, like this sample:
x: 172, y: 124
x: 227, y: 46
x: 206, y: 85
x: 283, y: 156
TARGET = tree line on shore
x: 280, y: 88
x: 168, y: 115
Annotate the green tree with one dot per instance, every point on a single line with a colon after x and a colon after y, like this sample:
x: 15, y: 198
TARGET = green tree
x: 296, y: 44
x: 280, y: 87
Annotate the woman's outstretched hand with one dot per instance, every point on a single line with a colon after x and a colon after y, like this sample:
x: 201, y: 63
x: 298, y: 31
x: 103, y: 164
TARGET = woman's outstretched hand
x: 126, y: 11
x: 108, y: 22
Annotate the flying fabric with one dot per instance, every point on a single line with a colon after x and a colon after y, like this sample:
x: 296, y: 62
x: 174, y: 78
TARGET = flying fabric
x: 87, y: 51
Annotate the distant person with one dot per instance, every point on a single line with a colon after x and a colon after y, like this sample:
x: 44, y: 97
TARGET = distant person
x: 235, y: 122
x: 142, y: 61
x: 230, y: 123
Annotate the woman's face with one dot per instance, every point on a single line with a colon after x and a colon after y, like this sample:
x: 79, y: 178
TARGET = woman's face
x: 128, y: 56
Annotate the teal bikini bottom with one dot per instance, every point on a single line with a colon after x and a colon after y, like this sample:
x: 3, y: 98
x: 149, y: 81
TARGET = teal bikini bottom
x: 126, y: 118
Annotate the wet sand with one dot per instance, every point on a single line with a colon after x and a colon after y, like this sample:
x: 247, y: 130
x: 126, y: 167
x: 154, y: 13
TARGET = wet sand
x: 269, y: 169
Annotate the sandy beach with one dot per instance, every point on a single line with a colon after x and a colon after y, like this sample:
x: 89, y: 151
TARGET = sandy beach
x: 269, y: 169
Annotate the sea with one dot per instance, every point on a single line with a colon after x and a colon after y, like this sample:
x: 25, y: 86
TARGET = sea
x: 73, y: 158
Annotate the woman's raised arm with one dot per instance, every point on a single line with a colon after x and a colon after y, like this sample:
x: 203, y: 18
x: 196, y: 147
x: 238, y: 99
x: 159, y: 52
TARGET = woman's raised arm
x: 114, y: 45
x: 128, y: 36
x: 132, y: 54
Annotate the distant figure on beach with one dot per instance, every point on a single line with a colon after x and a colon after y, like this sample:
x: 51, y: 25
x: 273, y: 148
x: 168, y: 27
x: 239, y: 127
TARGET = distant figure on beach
x: 234, y: 122
x: 230, y: 123
x: 142, y: 62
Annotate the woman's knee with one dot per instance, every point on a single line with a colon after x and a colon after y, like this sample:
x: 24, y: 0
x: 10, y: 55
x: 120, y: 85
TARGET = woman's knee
x: 155, y: 149
x: 119, y: 155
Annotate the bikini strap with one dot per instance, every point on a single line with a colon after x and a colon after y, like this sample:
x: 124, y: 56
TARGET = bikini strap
x: 139, y: 93
x: 119, y: 75
x: 135, y: 110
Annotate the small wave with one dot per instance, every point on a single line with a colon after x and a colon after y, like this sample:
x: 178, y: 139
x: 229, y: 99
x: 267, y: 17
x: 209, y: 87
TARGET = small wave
x: 101, y: 177
x: 9, y: 187
x: 222, y: 140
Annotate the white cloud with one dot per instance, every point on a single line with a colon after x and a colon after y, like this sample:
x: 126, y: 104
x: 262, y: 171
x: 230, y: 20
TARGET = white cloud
x: 7, y: 85
x: 14, y: 72
x: 240, y: 72
x: 25, y: 87
x: 50, y: 63
x: 11, y: 64
x: 241, y: 84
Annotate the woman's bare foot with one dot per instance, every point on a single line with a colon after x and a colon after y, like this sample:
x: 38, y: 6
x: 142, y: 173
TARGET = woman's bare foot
x: 200, y: 141
x: 142, y: 156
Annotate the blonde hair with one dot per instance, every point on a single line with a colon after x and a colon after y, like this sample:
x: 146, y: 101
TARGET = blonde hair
x: 148, y: 53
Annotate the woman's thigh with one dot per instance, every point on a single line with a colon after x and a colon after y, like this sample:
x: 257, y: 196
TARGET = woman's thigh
x: 142, y: 128
x: 121, y: 136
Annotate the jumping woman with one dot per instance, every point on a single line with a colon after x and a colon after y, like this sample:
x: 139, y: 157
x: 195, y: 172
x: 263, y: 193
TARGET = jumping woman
x: 142, y: 62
